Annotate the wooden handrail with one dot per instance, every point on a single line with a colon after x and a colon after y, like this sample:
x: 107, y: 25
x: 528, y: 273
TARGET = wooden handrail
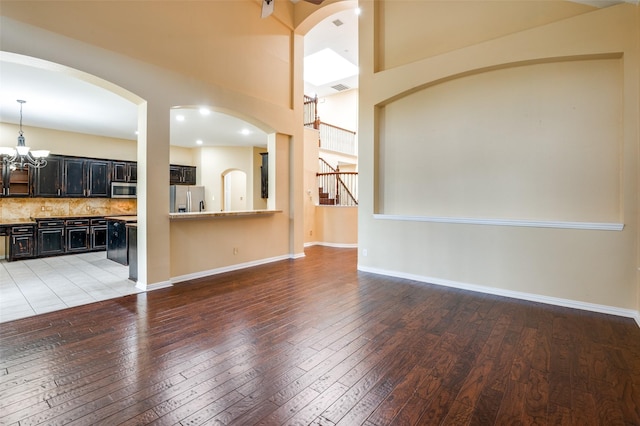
x: 326, y: 183
x: 337, y: 128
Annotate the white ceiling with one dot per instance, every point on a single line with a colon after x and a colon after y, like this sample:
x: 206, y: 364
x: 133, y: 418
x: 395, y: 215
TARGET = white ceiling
x: 62, y: 102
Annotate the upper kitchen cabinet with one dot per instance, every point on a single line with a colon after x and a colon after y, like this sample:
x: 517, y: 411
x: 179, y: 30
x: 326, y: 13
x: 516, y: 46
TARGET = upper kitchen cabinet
x: 182, y: 175
x: 124, y: 171
x: 73, y: 177
x: 47, y: 180
x: 86, y: 178
x: 14, y: 183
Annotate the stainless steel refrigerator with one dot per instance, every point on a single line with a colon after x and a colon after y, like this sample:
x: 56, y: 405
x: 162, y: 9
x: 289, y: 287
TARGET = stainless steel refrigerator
x: 186, y: 198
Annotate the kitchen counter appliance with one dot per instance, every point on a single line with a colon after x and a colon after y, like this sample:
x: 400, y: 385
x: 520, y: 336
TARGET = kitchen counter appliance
x: 123, y: 190
x: 186, y: 198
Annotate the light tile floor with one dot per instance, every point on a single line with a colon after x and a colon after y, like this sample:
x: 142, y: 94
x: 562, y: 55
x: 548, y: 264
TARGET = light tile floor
x: 35, y: 286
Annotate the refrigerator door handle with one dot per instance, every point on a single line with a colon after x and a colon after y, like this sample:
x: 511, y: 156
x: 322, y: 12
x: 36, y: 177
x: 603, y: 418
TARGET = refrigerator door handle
x: 188, y: 201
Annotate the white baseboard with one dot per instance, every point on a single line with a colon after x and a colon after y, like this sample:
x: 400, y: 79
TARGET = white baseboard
x: 567, y: 303
x: 155, y: 286
x: 335, y: 245
x: 297, y: 256
x: 216, y: 271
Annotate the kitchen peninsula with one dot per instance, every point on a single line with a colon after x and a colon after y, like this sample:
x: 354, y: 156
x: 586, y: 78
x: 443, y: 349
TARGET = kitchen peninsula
x: 215, y: 215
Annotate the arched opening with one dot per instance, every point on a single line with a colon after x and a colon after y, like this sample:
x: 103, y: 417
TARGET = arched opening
x: 216, y: 141
x: 235, y: 190
x: 331, y: 141
x: 86, y: 120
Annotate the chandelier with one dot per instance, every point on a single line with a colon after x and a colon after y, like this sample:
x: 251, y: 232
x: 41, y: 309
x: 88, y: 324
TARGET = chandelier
x: 20, y: 157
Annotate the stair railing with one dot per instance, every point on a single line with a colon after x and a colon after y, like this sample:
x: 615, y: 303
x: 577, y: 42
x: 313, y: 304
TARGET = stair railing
x: 337, y: 188
x: 332, y: 137
x: 324, y: 167
x: 337, y: 139
x: 310, y: 111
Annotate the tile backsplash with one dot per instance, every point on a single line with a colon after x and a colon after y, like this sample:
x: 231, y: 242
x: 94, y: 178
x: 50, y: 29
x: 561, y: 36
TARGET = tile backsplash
x: 26, y: 208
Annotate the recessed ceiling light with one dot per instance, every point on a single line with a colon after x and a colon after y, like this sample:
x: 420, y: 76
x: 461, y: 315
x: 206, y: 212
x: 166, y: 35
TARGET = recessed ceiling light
x: 205, y: 111
x: 245, y: 132
x: 358, y: 11
x: 199, y: 142
x: 180, y: 117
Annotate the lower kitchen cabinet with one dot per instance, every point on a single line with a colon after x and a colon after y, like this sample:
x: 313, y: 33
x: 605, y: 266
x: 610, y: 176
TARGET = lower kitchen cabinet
x: 56, y: 236
x: 98, y: 233
x: 77, y: 233
x: 20, y: 242
x: 50, y: 237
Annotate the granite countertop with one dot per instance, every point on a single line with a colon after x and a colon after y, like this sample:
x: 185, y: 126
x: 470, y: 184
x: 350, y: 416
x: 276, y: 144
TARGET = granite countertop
x: 123, y: 218
x: 71, y: 216
x: 213, y: 215
x: 20, y: 221
x: 32, y: 220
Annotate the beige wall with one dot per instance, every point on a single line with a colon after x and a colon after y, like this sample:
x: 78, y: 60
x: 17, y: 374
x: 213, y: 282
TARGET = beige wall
x: 337, y: 225
x: 340, y: 109
x: 499, y: 123
x: 85, y: 145
x: 224, y: 43
x: 70, y: 143
x: 184, y: 157
x: 310, y: 186
x: 512, y: 143
x: 215, y: 162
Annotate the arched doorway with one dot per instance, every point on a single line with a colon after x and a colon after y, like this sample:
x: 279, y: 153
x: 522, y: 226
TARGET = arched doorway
x: 234, y: 190
x: 76, y: 116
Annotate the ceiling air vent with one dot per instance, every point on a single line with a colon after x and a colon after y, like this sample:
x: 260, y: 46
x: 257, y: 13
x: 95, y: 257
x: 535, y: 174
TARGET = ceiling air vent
x: 340, y: 87
x: 337, y: 22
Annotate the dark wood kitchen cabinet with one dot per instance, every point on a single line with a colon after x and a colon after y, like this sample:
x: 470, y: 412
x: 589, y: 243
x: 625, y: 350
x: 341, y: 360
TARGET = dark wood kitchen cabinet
x: 98, y: 231
x: 20, y: 242
x: 124, y: 171
x: 77, y: 235
x: 50, y: 237
x: 73, y: 177
x: 264, y: 175
x: 86, y: 178
x: 48, y: 179
x: 182, y: 175
x: 14, y: 183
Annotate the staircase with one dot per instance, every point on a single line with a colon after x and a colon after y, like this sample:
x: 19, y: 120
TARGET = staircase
x: 335, y: 188
x: 324, y: 199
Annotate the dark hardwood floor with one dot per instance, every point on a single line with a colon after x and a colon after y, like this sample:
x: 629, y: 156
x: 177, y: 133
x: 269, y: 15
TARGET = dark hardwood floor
x: 314, y: 342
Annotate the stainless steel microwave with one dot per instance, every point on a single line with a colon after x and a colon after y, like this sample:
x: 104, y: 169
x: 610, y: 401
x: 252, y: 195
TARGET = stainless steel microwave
x: 123, y: 190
